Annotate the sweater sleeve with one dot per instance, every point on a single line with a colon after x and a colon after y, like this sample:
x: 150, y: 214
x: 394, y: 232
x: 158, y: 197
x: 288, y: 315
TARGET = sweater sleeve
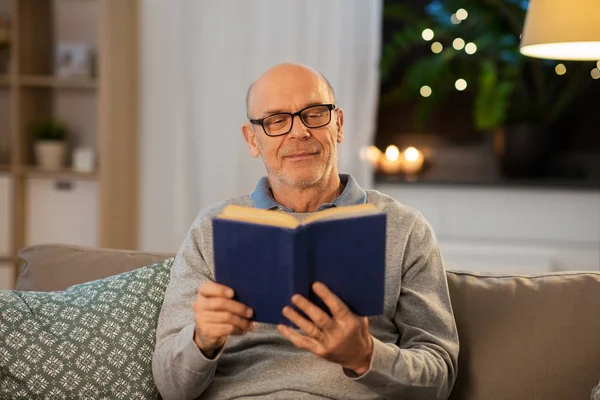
x: 423, y: 364
x: 180, y: 369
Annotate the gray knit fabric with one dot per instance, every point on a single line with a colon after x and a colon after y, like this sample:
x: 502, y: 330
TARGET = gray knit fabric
x: 415, y: 342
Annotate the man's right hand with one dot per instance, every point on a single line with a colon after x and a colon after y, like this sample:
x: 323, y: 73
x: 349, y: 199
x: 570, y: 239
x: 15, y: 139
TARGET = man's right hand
x: 218, y: 316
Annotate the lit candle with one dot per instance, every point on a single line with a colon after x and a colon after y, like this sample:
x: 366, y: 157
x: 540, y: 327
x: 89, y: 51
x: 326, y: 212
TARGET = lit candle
x: 390, y: 163
x: 412, y: 160
x: 371, y: 154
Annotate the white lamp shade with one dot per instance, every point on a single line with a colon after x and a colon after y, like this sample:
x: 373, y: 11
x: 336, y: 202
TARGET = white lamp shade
x: 562, y: 30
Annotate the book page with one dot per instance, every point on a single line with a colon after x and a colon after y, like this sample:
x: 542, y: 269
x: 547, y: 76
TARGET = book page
x: 258, y: 216
x: 342, y: 212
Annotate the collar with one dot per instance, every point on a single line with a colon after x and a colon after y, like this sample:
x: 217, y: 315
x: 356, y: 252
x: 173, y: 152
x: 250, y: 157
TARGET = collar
x: 352, y: 194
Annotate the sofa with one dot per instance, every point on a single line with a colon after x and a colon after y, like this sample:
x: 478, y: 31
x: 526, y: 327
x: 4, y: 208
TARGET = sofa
x: 521, y: 337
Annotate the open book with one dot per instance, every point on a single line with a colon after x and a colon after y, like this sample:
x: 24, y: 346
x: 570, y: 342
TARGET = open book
x: 267, y: 256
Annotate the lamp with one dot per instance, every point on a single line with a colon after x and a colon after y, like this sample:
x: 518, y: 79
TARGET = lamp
x: 562, y: 30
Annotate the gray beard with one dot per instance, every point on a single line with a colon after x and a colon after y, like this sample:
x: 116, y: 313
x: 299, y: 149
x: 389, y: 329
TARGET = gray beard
x: 302, y: 183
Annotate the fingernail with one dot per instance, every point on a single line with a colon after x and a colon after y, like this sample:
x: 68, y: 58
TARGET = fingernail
x: 229, y: 293
x: 249, y: 313
x: 252, y: 326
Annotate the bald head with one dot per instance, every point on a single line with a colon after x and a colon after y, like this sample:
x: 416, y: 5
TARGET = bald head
x: 283, y: 75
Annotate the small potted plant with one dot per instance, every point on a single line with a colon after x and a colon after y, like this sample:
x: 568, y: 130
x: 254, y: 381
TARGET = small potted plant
x: 50, y: 144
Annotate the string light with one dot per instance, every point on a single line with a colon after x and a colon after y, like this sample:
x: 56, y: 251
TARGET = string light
x: 455, y: 19
x: 470, y: 48
x: 462, y: 14
x: 560, y: 69
x: 458, y: 44
x: 598, y: 64
x: 460, y: 84
x: 427, y: 34
x: 595, y: 73
x: 425, y: 91
x: 437, y: 47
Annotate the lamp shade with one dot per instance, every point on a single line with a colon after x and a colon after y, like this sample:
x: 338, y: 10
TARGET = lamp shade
x: 562, y: 30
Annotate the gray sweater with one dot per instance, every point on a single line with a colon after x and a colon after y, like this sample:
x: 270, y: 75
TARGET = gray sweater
x: 415, y: 342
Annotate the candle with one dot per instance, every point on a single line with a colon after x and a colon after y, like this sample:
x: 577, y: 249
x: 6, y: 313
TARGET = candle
x: 371, y: 154
x: 391, y: 163
x: 412, y: 160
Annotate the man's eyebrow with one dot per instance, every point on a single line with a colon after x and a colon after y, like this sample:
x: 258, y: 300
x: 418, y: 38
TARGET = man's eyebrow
x: 271, y: 111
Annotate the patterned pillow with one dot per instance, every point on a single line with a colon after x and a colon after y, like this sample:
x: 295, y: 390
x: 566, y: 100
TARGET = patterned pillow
x: 90, y: 341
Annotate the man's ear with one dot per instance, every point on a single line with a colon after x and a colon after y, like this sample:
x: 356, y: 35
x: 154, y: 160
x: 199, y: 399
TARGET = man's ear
x: 250, y: 138
x: 339, y: 124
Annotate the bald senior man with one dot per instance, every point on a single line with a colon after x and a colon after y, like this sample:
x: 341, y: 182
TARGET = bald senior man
x: 206, y: 346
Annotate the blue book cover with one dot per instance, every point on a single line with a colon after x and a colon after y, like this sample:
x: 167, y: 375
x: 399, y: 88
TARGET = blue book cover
x: 267, y: 263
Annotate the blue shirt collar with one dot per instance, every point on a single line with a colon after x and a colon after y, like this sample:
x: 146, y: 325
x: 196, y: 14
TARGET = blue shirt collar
x: 352, y: 194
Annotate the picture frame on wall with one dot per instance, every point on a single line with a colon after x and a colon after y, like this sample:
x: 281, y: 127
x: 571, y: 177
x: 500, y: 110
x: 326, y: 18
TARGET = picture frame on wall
x: 74, y: 60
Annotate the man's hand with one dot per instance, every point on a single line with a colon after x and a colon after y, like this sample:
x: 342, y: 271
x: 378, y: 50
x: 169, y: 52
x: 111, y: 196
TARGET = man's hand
x: 343, y: 339
x: 218, y: 316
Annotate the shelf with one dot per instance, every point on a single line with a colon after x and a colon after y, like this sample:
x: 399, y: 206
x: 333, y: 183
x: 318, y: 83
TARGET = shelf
x: 55, y: 82
x: 66, y: 174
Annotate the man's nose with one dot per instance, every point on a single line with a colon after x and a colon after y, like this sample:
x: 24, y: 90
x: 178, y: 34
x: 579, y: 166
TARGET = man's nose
x: 299, y: 131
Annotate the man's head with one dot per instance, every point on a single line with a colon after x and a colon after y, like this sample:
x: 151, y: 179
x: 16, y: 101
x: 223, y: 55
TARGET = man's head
x: 304, y: 156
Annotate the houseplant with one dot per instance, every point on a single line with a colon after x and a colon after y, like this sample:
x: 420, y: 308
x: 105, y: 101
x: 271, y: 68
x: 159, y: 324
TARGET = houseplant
x: 515, y: 97
x: 50, y: 143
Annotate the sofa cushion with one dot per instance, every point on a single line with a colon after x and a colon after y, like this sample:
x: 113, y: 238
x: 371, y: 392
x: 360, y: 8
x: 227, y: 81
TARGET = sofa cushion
x: 93, y: 340
x: 527, y: 337
x: 56, y: 267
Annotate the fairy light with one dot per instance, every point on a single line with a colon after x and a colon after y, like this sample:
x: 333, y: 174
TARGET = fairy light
x: 427, y: 34
x: 437, y: 47
x: 470, y: 48
x: 460, y: 84
x: 458, y: 44
x: 425, y: 91
x: 462, y: 14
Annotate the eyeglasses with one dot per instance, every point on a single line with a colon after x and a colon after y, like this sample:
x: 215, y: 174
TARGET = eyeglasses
x: 282, y: 123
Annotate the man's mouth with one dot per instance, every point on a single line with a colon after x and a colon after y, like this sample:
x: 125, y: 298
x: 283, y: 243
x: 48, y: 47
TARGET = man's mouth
x: 301, y: 155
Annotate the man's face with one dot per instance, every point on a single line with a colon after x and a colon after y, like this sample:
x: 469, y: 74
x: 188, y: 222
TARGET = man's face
x: 305, y: 156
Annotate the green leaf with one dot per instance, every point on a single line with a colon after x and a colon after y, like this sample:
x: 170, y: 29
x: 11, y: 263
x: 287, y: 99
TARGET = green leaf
x: 492, y: 99
x: 426, y: 71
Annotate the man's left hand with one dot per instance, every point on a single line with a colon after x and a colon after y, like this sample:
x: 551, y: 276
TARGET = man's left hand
x: 343, y: 338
